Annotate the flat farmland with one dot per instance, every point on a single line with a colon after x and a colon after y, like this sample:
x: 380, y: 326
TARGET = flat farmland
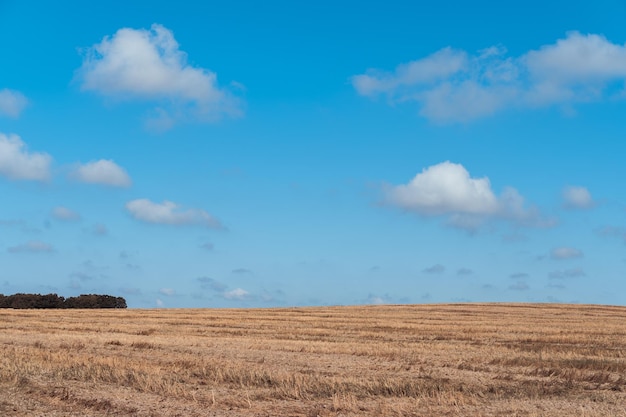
x: 412, y: 360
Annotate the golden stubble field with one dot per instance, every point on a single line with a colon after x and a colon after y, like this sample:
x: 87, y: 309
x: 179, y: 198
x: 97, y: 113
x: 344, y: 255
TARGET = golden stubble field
x: 427, y: 360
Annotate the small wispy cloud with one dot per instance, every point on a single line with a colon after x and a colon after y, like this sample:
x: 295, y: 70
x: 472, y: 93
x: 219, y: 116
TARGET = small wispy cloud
x: 167, y: 291
x: 238, y: 294
x: 102, y: 172
x: 170, y: 213
x: 577, y: 198
x: 12, y: 103
x: 567, y: 273
x: 65, y: 214
x: 379, y: 299
x: 33, y: 246
x: 565, y: 252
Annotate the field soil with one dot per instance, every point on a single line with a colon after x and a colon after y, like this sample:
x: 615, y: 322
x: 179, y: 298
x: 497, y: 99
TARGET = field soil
x: 427, y: 360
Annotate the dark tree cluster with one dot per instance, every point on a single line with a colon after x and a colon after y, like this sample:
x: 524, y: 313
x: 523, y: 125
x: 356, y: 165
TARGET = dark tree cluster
x: 55, y: 301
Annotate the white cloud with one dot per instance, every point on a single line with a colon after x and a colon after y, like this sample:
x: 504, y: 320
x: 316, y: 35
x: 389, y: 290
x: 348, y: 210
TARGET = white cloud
x: 34, y: 246
x: 577, y: 198
x: 12, y: 103
x: 565, y: 253
x: 380, y: 299
x: 464, y: 102
x: 237, y: 294
x: 448, y: 189
x: 435, y: 67
x: 169, y: 212
x: 104, y: 172
x: 372, y: 299
x: 167, y: 291
x: 578, y: 59
x: 445, y: 188
x: 19, y: 164
x: 65, y: 214
x: 148, y: 65
x: 454, y: 86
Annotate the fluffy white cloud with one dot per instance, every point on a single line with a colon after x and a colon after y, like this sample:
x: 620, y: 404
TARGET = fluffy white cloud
x: 65, y: 214
x: 19, y: 164
x: 577, y: 197
x: 34, y: 246
x: 148, y: 65
x: 454, y: 86
x: 104, y: 172
x: 237, y: 294
x: 565, y: 253
x: 12, y: 103
x: 445, y: 188
x: 448, y: 189
x: 578, y: 59
x: 169, y: 212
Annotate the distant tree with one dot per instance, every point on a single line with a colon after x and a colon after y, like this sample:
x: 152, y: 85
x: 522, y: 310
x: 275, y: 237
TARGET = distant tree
x: 20, y: 300
x: 23, y: 301
x: 50, y: 301
x: 95, y: 301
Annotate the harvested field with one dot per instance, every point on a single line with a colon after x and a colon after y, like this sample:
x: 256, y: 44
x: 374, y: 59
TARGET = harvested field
x: 428, y: 360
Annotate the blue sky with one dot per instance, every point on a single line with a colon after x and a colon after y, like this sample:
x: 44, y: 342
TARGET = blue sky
x: 279, y: 154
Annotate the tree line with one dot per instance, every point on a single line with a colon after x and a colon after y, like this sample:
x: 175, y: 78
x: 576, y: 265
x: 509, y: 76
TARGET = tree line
x: 55, y: 301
